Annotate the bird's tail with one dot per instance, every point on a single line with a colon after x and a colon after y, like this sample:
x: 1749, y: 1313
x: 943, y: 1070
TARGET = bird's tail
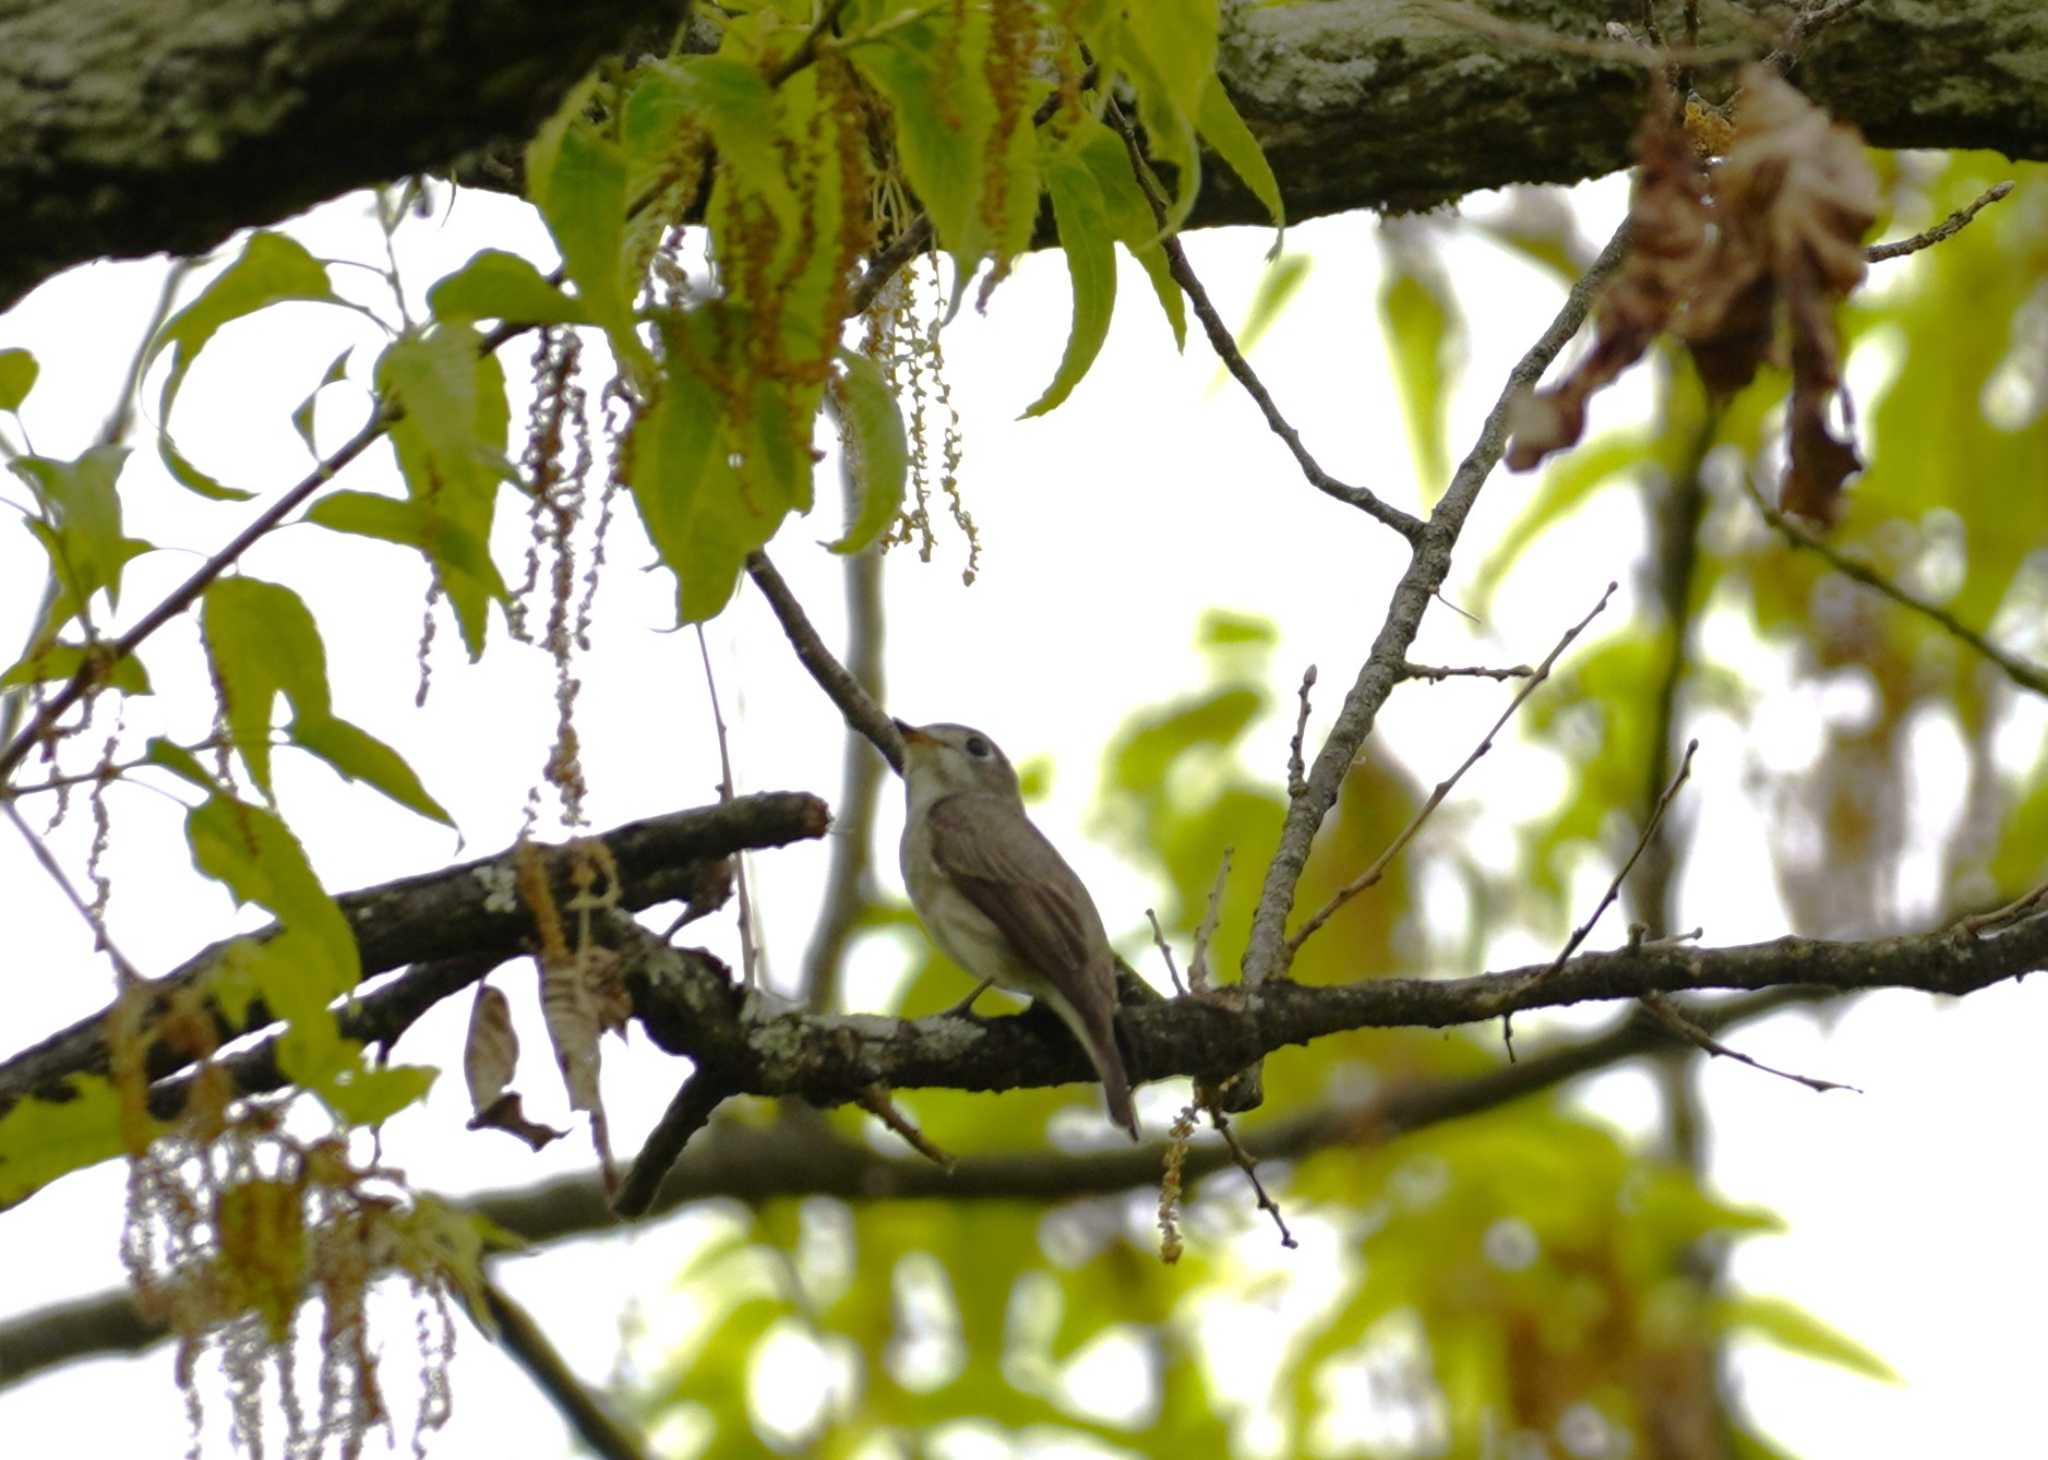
x: 1100, y: 1040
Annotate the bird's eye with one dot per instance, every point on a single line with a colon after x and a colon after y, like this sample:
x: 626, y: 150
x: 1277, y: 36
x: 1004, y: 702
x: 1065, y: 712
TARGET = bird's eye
x: 977, y: 747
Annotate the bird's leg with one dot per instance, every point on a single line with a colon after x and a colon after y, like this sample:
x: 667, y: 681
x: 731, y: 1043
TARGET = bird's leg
x: 965, y: 1008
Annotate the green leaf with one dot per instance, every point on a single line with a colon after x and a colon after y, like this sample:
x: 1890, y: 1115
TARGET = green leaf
x: 1420, y: 326
x: 876, y: 451
x: 261, y: 640
x: 361, y: 1095
x: 1170, y: 52
x: 17, y: 377
x: 499, y: 285
x: 302, y: 418
x: 1229, y: 138
x: 1279, y: 282
x: 577, y: 179
x: 414, y: 525
x: 41, y: 1140
x: 272, y: 268
x: 81, y: 526
x: 1130, y: 217
x: 931, y: 80
x: 1078, y: 208
x: 62, y: 661
x: 1572, y: 480
x: 450, y: 444
x: 186, y: 475
x: 1795, y: 1330
x: 734, y: 101
x: 180, y: 762
x: 361, y: 756
x: 254, y: 854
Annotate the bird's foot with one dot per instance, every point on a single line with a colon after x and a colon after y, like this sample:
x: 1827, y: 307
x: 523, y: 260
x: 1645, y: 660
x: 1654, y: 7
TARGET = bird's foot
x: 965, y: 1008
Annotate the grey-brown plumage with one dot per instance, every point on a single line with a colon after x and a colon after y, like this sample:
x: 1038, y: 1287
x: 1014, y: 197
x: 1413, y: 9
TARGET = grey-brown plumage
x: 999, y: 898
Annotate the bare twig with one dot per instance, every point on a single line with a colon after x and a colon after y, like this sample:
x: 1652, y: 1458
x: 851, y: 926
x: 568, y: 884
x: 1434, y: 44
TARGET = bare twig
x: 2019, y: 671
x: 875, y: 1100
x: 1221, y: 340
x: 700, y: 1094
x: 1580, y: 933
x: 807, y: 49
x: 1198, y: 963
x: 1666, y: 1013
x: 861, y: 712
x: 41, y: 852
x: 749, y: 950
x: 1251, y: 1173
x: 1297, y: 772
x: 1948, y: 227
x: 1803, y: 28
x: 531, y: 1349
x: 1437, y: 674
x: 1378, y: 869
x: 1266, y: 950
x: 1165, y: 951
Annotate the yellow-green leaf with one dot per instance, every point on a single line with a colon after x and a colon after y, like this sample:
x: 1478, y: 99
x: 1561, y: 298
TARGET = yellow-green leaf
x: 360, y: 756
x: 302, y: 418
x: 1279, y: 282
x: 260, y: 640
x: 876, y: 451
x: 1085, y: 238
x: 41, y: 1140
x: 62, y: 661
x: 17, y: 378
x: 577, y: 178
x: 1420, y: 326
x: 1797, y: 1331
x: 1230, y: 139
x: 499, y: 285
x: 81, y: 525
x: 272, y: 268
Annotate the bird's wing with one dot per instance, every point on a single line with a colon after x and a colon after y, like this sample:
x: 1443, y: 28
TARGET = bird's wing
x: 1007, y: 868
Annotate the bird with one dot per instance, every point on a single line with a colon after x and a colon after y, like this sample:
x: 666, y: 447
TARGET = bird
x: 998, y: 897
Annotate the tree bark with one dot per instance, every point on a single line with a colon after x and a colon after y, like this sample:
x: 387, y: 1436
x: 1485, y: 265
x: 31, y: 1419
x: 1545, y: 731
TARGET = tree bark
x: 129, y: 127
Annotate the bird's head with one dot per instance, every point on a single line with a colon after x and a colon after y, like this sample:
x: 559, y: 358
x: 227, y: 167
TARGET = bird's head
x: 943, y: 760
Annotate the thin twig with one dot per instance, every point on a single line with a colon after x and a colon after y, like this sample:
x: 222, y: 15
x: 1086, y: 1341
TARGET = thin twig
x: 1666, y: 1013
x: 1297, y: 771
x: 861, y: 712
x: 875, y: 1101
x: 1198, y: 963
x: 1580, y: 933
x: 1165, y: 951
x: 182, y: 597
x: 700, y: 1094
x: 1803, y: 28
x: 1437, y: 674
x: 1948, y: 227
x: 521, y: 1337
x: 101, y: 938
x: 1377, y: 870
x: 1250, y: 1168
x: 749, y: 952
x: 2019, y: 671
x: 1221, y: 340
x: 807, y: 49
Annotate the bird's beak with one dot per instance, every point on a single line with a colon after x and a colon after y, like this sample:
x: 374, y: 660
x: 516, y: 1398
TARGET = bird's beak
x: 910, y: 733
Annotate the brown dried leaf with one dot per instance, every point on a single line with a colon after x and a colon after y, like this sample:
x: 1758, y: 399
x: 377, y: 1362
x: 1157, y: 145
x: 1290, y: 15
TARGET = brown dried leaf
x: 1667, y: 246
x: 506, y: 1114
x: 491, y: 1051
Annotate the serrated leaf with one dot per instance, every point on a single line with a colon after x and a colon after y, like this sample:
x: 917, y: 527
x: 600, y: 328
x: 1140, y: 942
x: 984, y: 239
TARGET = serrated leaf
x: 577, y: 178
x: 1085, y: 239
x: 503, y: 286
x: 62, y: 661
x: 737, y: 106
x: 81, y: 525
x: 261, y: 640
x: 942, y: 123
x: 1130, y: 217
x: 1229, y: 138
x: 272, y: 268
x: 876, y: 450
x: 302, y: 418
x: 17, y: 377
x: 360, y: 756
x: 1795, y: 1330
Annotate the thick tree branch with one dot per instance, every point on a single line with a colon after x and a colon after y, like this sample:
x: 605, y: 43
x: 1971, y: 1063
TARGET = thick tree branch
x: 466, y: 911
x: 801, y: 1158
x: 130, y: 127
